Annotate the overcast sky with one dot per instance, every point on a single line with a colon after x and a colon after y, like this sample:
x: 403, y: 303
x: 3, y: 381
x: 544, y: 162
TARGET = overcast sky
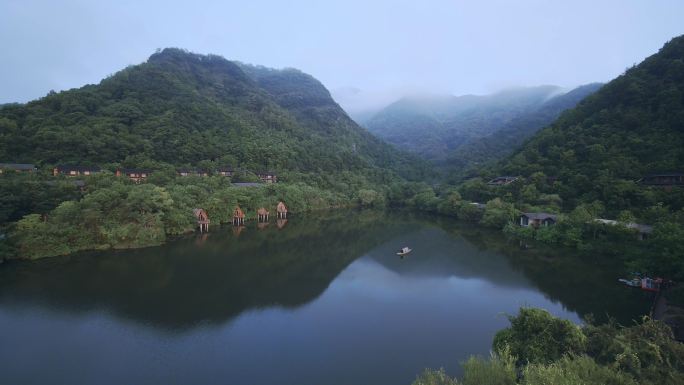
x: 379, y: 47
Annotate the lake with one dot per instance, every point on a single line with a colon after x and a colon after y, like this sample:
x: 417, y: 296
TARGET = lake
x: 321, y: 299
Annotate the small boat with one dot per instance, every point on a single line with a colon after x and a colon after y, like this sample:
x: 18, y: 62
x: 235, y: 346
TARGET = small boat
x: 404, y: 251
x: 634, y: 282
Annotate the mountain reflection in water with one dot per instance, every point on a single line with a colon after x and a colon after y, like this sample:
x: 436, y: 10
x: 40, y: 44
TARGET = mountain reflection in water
x: 324, y: 299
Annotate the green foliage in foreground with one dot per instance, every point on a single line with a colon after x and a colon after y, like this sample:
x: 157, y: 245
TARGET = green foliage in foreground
x: 535, y: 336
x: 539, y: 349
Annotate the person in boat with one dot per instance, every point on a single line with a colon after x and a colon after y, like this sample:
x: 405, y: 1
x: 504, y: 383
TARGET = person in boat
x: 404, y: 250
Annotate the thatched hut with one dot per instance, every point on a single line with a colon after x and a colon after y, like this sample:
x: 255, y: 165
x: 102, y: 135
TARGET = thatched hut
x: 238, y: 216
x: 262, y: 215
x: 281, y: 210
x: 202, y: 219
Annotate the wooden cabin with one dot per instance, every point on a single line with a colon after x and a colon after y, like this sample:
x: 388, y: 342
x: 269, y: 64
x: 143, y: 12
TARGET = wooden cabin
x: 665, y: 179
x: 262, y: 215
x: 238, y: 216
x: 134, y: 174
x: 267, y: 177
x: 185, y: 172
x: 281, y: 210
x: 17, y: 167
x: 202, y: 219
x: 537, y: 219
x: 502, y: 180
x: 191, y: 172
x: 226, y: 171
x: 75, y: 170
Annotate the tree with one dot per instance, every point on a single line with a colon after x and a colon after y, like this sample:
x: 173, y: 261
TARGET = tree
x: 498, y: 213
x: 370, y: 198
x: 535, y: 336
x: 434, y: 377
x: 574, y: 371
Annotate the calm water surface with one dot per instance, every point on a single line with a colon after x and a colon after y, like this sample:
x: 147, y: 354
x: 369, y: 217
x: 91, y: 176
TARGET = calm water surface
x: 320, y: 301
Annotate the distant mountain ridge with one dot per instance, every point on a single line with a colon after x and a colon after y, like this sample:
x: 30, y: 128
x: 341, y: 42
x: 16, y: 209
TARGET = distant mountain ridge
x: 182, y: 108
x: 513, y: 134
x: 434, y: 126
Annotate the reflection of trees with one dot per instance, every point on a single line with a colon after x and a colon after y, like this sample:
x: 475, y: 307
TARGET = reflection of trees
x: 191, y: 281
x: 586, y: 284
x: 181, y: 284
x: 583, y: 283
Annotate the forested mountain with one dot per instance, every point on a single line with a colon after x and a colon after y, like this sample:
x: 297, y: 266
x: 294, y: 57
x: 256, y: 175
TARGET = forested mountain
x: 181, y: 108
x: 435, y: 126
x: 631, y: 127
x: 512, y: 135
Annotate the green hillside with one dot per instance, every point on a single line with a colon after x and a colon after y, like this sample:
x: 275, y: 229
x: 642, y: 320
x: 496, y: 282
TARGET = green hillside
x: 631, y: 127
x: 181, y: 108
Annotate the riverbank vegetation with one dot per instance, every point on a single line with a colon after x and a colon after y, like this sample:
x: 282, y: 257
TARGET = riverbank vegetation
x: 577, y: 227
x: 112, y: 212
x: 539, y: 349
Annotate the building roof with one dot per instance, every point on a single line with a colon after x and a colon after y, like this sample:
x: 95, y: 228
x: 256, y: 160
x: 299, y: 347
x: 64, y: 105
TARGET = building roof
x: 18, y: 166
x: 540, y: 216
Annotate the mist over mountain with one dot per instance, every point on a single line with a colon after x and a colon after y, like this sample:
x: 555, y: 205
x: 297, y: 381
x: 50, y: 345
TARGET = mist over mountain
x: 433, y: 126
x: 465, y: 159
x: 361, y: 105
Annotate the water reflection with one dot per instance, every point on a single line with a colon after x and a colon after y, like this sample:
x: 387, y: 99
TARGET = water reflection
x: 324, y: 299
x: 204, y: 278
x: 214, y: 277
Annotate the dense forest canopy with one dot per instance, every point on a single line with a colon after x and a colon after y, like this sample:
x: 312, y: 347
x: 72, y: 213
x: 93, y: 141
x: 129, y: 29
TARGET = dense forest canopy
x: 181, y: 108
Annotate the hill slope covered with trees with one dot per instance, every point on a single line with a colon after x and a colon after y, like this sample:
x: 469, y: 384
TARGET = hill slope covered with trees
x: 182, y: 108
x: 631, y: 127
